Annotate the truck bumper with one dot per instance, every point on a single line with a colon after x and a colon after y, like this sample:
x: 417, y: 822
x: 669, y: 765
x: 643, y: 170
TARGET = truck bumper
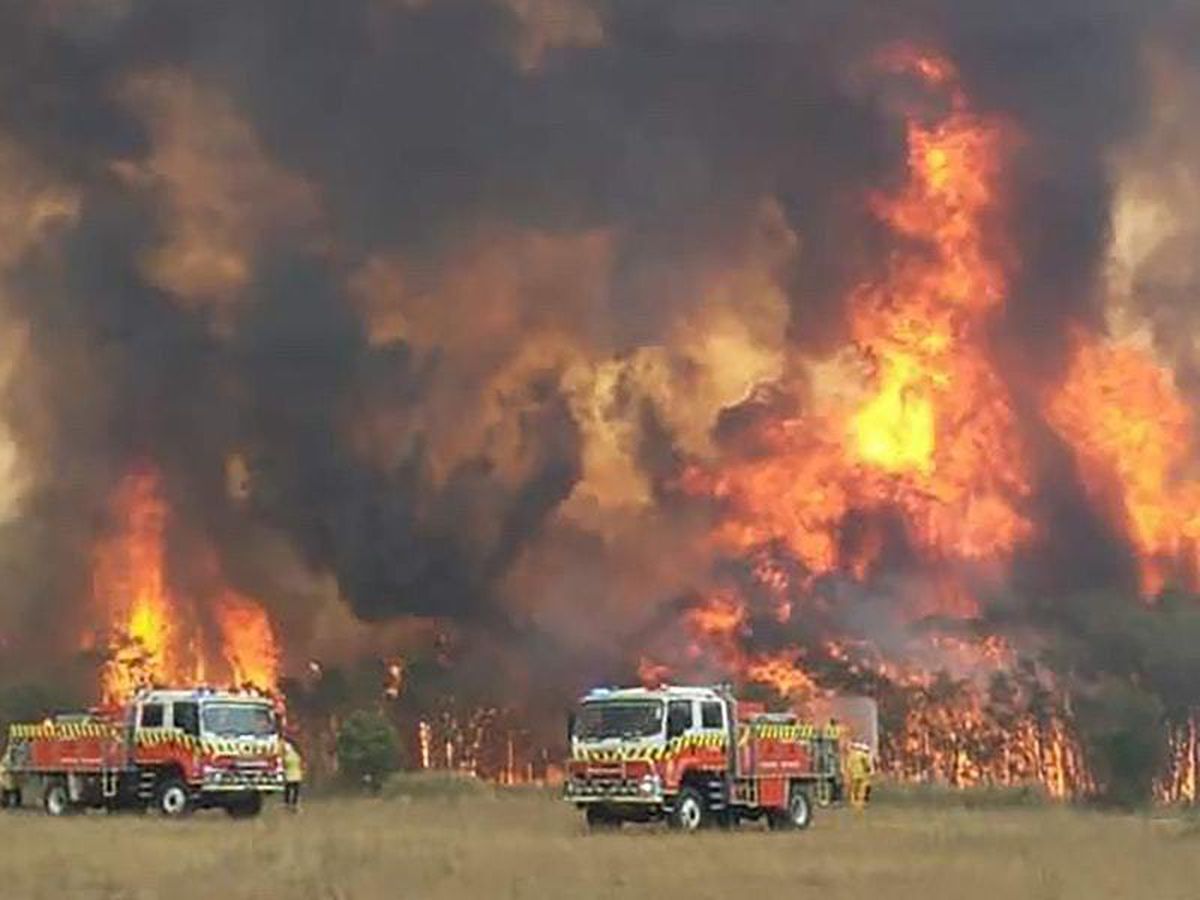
x: 646, y: 792
x: 215, y: 790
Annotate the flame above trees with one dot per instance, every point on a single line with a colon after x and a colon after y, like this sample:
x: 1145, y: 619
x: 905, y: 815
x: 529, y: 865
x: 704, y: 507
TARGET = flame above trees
x: 931, y: 441
x: 129, y: 585
x: 157, y: 635
x: 935, y: 437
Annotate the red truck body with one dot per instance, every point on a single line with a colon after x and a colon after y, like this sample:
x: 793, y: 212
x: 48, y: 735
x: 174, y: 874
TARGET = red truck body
x: 695, y: 755
x: 176, y: 750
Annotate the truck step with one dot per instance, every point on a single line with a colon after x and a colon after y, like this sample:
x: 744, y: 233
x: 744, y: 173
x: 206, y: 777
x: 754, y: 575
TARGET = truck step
x: 147, y: 782
x: 716, y: 796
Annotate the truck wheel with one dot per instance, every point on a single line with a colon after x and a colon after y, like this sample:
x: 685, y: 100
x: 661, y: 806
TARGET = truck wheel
x: 172, y: 799
x: 798, y: 814
x: 246, y: 807
x: 57, y: 800
x: 599, y: 819
x: 689, y: 813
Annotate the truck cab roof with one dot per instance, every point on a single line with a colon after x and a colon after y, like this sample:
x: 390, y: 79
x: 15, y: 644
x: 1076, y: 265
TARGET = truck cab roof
x: 199, y: 695
x: 663, y: 692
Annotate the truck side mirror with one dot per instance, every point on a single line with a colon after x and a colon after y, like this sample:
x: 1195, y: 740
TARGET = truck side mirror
x: 570, y: 727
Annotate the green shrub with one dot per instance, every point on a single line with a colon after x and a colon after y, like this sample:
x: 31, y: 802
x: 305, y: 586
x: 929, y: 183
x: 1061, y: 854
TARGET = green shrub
x: 368, y: 749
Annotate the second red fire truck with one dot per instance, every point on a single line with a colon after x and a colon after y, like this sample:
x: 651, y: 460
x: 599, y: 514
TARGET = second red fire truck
x: 171, y: 750
x: 696, y: 756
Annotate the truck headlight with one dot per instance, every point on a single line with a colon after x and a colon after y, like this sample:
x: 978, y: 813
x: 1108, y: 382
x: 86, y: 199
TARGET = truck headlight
x: 650, y: 784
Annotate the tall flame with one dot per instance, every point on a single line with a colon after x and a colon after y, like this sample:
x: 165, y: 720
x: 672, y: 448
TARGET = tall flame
x: 158, y: 636
x: 1132, y: 434
x: 129, y: 583
x: 247, y: 641
x: 935, y: 437
x: 931, y: 440
x: 938, y: 437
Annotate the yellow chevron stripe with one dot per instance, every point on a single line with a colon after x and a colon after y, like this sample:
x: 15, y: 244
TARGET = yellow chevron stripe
x: 143, y: 737
x: 676, y: 746
x: 60, y: 731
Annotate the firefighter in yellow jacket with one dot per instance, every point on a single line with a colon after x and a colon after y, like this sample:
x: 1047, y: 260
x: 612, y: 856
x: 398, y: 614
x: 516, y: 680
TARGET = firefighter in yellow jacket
x: 858, y: 771
x: 293, y: 775
x: 10, y: 788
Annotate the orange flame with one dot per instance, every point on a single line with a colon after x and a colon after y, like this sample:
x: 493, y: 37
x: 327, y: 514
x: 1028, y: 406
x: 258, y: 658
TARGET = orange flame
x: 157, y: 636
x: 651, y: 673
x: 129, y: 583
x: 954, y: 740
x: 717, y: 624
x: 936, y: 437
x: 248, y: 641
x: 1132, y: 434
x: 1179, y: 783
x: 781, y: 672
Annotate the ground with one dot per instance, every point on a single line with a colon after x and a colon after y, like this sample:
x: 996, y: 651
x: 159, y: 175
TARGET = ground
x: 527, y: 844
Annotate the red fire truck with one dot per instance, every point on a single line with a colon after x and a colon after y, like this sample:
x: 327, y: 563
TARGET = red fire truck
x: 696, y: 756
x: 172, y: 750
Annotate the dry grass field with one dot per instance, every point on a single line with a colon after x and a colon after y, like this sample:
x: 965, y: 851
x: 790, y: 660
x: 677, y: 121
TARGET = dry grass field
x: 524, y: 844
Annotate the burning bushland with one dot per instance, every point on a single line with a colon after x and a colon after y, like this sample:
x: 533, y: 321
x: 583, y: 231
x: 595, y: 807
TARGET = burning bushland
x: 454, y: 355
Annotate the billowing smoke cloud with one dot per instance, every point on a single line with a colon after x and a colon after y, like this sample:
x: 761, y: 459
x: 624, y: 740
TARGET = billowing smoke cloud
x: 432, y: 302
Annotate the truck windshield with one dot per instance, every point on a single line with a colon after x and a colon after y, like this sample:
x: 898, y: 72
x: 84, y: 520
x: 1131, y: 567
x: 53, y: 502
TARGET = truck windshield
x: 238, y: 720
x: 623, y: 719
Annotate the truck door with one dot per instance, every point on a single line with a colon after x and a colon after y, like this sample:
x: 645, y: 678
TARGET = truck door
x: 185, y: 716
x: 712, y: 729
x: 679, y: 724
x: 713, y: 741
x: 149, y: 716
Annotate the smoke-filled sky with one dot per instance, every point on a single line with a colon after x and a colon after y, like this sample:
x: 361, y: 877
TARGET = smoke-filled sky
x: 424, y: 307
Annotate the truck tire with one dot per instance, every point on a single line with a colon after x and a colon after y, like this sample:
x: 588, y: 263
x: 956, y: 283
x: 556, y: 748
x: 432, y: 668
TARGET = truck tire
x: 798, y: 814
x: 172, y: 799
x: 689, y: 812
x: 245, y: 807
x: 57, y: 799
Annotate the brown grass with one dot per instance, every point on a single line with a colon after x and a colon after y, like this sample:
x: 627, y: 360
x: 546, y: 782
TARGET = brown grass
x: 525, y: 844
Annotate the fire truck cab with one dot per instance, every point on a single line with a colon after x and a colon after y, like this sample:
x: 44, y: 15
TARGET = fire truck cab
x: 173, y: 750
x: 695, y: 756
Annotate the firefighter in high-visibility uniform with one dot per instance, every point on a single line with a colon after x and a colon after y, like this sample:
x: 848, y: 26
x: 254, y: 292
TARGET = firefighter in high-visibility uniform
x: 858, y: 771
x: 293, y: 775
x: 10, y: 788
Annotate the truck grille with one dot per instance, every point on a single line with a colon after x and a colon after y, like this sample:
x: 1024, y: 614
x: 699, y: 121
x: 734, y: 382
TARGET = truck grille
x: 605, y: 781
